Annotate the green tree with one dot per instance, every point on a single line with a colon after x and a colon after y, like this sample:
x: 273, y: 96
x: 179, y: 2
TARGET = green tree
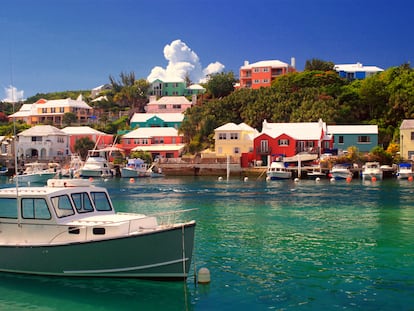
x: 318, y: 64
x: 83, y: 145
x: 69, y: 118
x: 129, y: 92
x: 220, y: 84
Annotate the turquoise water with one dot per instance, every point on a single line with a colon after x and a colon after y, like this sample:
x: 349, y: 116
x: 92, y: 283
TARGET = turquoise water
x: 268, y: 246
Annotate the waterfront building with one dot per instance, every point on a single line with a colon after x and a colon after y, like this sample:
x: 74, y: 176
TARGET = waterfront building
x: 163, y: 142
x: 42, y: 142
x: 407, y: 139
x: 364, y: 137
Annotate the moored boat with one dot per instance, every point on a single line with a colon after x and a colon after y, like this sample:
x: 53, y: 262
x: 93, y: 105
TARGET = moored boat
x: 35, y: 172
x: 96, y: 165
x: 135, y: 168
x: 341, y: 171
x: 404, y: 171
x: 371, y: 170
x: 70, y: 228
x: 278, y: 171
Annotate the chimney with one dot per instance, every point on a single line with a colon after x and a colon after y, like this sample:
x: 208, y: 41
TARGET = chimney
x: 293, y: 62
x: 152, y: 98
x: 246, y: 63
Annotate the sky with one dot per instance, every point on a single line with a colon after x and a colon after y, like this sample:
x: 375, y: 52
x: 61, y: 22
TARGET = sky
x: 58, y: 45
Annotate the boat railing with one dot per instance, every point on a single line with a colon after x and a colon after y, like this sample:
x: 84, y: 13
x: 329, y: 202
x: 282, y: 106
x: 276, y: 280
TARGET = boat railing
x: 165, y: 219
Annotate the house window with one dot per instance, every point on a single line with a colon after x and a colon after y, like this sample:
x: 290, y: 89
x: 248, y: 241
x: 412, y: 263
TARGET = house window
x: 222, y: 136
x: 136, y: 141
x: 52, y: 110
x: 44, y: 110
x: 412, y: 135
x: 265, y: 80
x: 264, y: 146
x: 60, y: 140
x: 364, y: 139
x: 256, y: 81
x: 283, y: 142
x: 162, y: 106
x: 145, y: 141
x: 265, y: 69
x: 256, y: 70
x: 234, y: 135
x: 236, y: 150
x: 340, y: 139
x: 176, y: 106
x: 36, y: 138
x: 62, y: 109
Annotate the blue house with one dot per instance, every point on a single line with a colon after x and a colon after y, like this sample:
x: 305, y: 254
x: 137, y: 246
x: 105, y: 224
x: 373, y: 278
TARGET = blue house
x: 356, y: 71
x: 364, y: 137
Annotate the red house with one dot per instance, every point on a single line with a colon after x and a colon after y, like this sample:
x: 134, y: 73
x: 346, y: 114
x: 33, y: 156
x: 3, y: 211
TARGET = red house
x: 101, y: 139
x: 289, y: 139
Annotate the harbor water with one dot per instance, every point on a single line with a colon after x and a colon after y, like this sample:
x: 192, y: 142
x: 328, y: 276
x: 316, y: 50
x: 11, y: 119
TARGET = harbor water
x: 279, y: 245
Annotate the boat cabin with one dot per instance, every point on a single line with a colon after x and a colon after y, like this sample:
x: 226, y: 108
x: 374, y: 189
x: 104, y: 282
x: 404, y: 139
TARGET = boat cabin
x: 64, y: 210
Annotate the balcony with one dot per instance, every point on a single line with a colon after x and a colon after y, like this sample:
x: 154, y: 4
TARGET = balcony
x: 263, y: 150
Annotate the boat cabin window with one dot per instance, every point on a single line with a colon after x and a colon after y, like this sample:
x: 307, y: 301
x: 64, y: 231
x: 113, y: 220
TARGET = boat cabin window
x: 35, y: 209
x: 8, y: 208
x: 101, y: 201
x: 62, y: 206
x: 82, y: 202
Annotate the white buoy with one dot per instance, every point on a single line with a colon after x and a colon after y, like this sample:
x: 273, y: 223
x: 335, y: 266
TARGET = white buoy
x: 203, y: 276
x: 296, y: 179
x: 332, y: 179
x: 246, y: 178
x: 268, y: 178
x: 317, y: 179
x: 220, y: 178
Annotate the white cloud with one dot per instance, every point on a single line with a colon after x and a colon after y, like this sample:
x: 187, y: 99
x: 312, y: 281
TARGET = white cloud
x: 13, y: 95
x: 182, y: 61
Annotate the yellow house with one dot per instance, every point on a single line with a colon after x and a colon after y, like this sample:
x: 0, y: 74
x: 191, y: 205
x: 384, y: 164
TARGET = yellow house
x: 233, y: 140
x: 407, y: 139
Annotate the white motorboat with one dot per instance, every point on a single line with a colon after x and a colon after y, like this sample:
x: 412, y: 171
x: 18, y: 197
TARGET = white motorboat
x: 96, y: 165
x: 372, y: 170
x: 315, y: 173
x: 278, y: 171
x: 135, y: 168
x: 36, y: 172
x: 404, y: 171
x: 70, y: 228
x: 341, y: 171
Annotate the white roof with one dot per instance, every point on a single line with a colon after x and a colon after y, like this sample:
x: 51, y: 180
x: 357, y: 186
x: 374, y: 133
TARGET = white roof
x: 407, y: 124
x: 195, y: 87
x: 82, y: 130
x: 148, y: 132
x: 168, y: 117
x: 352, y: 129
x: 42, y: 130
x: 170, y: 100
x: 234, y: 127
x: 265, y: 63
x: 177, y: 147
x: 298, y: 131
x: 358, y: 67
x: 68, y: 102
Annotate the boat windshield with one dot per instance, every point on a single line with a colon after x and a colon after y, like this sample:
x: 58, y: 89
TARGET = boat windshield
x: 101, y: 201
x: 82, y: 202
x: 35, y: 208
x: 63, y: 206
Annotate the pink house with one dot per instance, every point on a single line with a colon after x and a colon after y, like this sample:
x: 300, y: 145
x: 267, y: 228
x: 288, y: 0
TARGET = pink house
x: 162, y: 142
x: 169, y: 104
x: 101, y: 139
